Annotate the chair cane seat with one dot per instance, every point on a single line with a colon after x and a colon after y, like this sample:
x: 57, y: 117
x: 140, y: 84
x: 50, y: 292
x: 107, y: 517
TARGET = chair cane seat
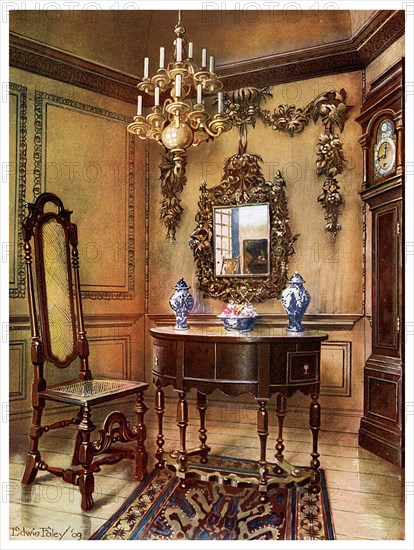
x: 92, y: 391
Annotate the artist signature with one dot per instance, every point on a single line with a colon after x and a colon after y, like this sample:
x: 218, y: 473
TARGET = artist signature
x: 44, y: 533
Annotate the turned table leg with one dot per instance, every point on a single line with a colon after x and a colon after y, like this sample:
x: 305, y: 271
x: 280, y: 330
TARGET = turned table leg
x: 159, y: 411
x: 262, y: 432
x: 202, y: 408
x: 141, y: 455
x: 182, y: 423
x: 314, y: 424
x: 280, y: 413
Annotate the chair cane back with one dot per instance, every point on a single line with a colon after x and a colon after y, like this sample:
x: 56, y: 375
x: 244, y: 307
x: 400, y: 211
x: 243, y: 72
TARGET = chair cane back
x: 59, y: 337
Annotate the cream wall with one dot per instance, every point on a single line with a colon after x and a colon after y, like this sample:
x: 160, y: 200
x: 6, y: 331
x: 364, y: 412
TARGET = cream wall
x: 332, y: 271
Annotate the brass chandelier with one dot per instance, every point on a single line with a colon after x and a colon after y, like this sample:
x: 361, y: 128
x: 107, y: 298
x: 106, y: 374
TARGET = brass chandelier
x: 179, y: 119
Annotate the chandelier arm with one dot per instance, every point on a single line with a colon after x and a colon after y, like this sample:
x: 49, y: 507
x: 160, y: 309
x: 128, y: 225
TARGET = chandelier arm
x: 211, y: 133
x: 217, y: 126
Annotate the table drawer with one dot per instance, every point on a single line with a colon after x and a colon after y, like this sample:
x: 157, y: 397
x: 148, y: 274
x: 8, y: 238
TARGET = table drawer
x: 303, y: 367
x: 164, y: 358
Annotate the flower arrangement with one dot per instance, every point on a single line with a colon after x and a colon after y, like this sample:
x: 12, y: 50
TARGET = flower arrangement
x: 238, y: 317
x: 238, y: 310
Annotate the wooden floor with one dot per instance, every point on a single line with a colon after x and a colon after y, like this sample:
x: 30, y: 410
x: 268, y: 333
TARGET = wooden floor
x: 366, y: 493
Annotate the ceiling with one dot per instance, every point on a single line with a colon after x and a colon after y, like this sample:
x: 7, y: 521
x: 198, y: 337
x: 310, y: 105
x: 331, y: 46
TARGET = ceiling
x: 121, y: 39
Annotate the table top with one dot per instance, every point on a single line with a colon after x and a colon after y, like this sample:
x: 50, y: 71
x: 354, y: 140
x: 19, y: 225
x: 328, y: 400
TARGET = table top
x: 212, y: 333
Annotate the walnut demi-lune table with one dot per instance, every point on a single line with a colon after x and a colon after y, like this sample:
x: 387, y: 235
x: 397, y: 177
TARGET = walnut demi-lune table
x: 263, y: 362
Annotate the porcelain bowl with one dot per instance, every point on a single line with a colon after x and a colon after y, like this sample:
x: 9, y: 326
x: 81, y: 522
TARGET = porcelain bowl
x: 238, y: 324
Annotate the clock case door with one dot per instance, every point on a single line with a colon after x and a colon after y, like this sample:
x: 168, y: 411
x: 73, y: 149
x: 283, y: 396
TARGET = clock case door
x: 382, y: 426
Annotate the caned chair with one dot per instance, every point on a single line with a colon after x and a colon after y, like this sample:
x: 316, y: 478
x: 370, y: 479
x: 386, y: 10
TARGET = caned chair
x: 59, y: 337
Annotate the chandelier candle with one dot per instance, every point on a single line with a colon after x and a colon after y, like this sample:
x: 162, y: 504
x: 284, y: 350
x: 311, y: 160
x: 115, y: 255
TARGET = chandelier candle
x: 178, y: 85
x: 220, y: 103
x: 179, y: 50
x: 162, y: 57
x: 204, y: 58
x: 179, y: 117
x: 199, y: 94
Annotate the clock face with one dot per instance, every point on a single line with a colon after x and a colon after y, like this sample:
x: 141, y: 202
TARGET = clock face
x: 384, y: 150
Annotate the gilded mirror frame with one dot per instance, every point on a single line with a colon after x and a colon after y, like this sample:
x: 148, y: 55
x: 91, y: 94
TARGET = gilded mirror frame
x: 243, y: 183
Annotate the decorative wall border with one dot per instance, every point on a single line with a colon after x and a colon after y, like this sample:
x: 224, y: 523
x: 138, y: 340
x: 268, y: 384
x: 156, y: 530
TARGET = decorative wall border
x: 384, y: 28
x: 33, y: 56
x: 317, y: 321
x: 353, y: 54
x: 42, y: 99
x: 92, y: 321
x: 18, y: 289
x: 21, y: 346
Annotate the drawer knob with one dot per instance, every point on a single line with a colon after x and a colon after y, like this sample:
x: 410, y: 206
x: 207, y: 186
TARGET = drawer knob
x: 306, y: 369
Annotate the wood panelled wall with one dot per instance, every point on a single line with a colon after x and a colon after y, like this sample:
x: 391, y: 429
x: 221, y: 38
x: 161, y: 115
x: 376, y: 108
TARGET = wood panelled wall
x: 70, y: 140
x: 74, y: 142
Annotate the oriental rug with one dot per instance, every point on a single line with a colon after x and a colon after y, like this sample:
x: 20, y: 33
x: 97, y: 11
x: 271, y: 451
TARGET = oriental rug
x: 159, y: 509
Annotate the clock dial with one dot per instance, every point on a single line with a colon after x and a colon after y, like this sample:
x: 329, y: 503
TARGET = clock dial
x: 384, y: 150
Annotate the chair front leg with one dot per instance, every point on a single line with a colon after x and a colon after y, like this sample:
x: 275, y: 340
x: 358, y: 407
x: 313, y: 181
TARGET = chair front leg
x: 78, y: 441
x: 33, y: 454
x: 86, y: 455
x: 141, y: 455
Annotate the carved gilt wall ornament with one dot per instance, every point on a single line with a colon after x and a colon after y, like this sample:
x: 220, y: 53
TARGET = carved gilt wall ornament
x: 243, y: 108
x: 243, y: 183
x: 171, y: 186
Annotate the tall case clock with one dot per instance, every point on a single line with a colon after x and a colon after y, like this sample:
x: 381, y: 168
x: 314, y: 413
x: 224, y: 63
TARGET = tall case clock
x: 382, y: 120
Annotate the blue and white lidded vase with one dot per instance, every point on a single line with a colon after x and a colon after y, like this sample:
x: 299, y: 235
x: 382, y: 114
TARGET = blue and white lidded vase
x: 181, y: 303
x: 295, y: 299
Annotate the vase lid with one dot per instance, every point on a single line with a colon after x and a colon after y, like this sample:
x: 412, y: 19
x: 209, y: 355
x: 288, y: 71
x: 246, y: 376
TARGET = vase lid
x: 296, y: 278
x: 181, y: 285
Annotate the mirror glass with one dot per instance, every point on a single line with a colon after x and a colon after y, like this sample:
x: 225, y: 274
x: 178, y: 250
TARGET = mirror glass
x: 241, y: 240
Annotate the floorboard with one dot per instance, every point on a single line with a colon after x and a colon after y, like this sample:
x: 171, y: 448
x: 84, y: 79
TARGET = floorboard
x: 366, y: 492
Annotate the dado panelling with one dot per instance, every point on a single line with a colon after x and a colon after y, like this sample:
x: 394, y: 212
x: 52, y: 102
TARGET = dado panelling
x: 19, y: 356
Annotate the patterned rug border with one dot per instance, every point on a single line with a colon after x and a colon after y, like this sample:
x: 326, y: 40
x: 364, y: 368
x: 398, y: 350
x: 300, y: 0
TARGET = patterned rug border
x: 97, y: 535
